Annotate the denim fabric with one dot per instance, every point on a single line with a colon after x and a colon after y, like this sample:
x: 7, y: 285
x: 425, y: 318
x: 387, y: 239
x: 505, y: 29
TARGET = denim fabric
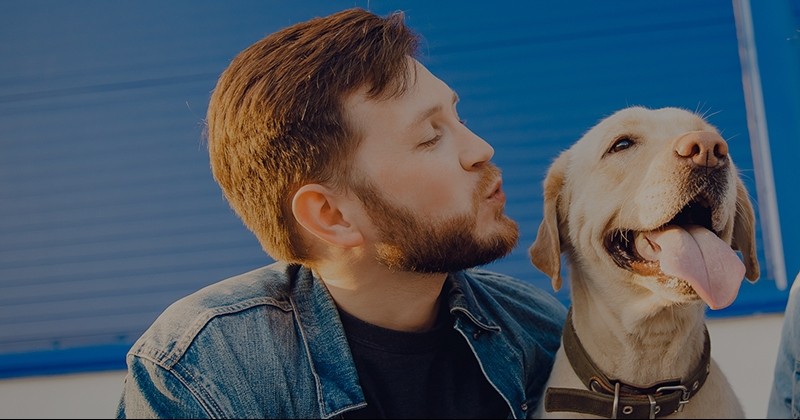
x: 784, y: 399
x: 269, y: 344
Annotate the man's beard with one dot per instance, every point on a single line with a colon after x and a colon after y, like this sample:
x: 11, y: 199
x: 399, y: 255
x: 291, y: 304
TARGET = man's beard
x: 411, y: 242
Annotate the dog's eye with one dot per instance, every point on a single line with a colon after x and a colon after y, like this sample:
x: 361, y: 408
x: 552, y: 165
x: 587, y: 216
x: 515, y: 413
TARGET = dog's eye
x: 621, y: 143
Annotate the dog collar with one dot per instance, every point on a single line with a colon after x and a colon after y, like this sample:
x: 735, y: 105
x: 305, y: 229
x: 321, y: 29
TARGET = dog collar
x: 612, y: 398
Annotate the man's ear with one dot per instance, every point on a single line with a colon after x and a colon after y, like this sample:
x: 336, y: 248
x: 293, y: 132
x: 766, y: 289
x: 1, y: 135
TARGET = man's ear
x: 326, y: 214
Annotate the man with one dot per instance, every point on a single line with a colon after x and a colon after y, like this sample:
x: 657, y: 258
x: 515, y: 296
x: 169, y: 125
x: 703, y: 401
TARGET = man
x: 346, y: 158
x: 784, y: 395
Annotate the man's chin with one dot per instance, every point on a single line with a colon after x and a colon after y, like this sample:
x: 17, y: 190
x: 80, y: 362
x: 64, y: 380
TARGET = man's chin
x: 428, y: 263
x: 506, y: 236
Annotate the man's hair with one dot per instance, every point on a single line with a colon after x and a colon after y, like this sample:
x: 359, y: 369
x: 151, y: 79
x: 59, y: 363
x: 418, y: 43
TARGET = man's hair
x: 276, y: 118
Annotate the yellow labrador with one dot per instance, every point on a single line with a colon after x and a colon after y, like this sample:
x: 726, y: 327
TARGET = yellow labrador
x: 648, y: 208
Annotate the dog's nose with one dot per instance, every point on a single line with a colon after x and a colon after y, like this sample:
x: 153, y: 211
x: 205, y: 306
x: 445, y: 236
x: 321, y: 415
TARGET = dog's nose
x: 702, y: 148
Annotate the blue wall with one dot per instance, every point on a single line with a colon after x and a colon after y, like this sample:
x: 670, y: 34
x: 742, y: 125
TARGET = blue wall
x: 108, y: 212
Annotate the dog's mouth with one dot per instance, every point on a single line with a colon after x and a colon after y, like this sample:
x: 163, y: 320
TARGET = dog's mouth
x: 621, y: 244
x: 685, y: 254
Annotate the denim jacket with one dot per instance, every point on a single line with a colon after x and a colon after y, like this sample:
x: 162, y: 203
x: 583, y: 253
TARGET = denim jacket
x: 784, y: 398
x: 269, y: 344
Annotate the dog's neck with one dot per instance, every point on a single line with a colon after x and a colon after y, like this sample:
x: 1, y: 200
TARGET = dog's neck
x: 604, y: 396
x: 637, y: 343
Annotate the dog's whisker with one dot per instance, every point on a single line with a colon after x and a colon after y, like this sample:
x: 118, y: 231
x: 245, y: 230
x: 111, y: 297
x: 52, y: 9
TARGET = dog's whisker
x: 728, y: 139
x: 706, y: 115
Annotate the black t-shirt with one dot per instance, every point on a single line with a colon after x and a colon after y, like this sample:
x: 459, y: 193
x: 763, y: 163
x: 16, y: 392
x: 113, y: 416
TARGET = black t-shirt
x: 426, y: 375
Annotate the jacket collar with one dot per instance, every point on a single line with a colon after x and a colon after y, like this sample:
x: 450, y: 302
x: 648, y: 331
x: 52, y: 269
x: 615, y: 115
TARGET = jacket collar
x: 461, y: 298
x: 325, y: 344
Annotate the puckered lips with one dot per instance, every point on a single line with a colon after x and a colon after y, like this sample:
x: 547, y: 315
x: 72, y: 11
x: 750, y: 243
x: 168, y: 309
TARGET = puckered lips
x: 496, y: 192
x: 686, y: 253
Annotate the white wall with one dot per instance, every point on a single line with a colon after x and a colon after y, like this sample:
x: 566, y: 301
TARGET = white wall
x: 744, y: 347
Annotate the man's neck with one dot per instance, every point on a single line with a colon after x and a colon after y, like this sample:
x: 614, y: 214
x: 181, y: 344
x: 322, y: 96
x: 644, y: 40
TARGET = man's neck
x: 401, y: 301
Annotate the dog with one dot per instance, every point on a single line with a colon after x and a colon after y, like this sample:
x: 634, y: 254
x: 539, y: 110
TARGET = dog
x: 649, y: 212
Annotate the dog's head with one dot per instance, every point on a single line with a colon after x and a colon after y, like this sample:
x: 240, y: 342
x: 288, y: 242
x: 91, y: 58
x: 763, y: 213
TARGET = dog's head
x: 649, y: 198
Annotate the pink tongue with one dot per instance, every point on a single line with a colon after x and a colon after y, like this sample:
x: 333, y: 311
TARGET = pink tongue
x: 694, y: 254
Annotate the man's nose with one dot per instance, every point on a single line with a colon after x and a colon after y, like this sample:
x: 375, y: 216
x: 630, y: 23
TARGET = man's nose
x: 475, y: 150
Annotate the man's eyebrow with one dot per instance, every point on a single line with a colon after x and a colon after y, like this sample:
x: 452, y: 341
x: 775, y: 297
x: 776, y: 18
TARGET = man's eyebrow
x: 430, y: 111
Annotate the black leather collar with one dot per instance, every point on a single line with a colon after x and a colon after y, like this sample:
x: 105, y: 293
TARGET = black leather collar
x: 612, y: 398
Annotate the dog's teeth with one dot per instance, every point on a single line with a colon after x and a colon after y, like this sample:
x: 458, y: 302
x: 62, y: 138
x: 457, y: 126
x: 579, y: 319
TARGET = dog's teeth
x: 645, y: 247
x: 672, y: 282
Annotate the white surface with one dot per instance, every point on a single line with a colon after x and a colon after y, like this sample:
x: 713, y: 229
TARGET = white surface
x: 83, y: 396
x: 745, y: 349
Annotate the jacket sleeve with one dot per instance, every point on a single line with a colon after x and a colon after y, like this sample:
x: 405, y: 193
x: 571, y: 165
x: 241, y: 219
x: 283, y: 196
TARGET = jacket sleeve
x: 784, y: 399
x: 153, y: 392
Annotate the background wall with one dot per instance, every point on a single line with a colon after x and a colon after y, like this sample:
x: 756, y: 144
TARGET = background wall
x: 108, y: 212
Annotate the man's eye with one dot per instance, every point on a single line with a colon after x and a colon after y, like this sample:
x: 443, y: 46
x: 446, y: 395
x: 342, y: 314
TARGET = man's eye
x: 430, y: 143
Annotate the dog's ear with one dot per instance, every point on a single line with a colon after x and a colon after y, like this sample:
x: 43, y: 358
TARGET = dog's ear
x: 545, y: 253
x: 744, y: 232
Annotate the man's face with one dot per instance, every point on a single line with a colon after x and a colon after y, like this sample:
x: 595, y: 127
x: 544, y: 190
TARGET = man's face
x: 434, y: 199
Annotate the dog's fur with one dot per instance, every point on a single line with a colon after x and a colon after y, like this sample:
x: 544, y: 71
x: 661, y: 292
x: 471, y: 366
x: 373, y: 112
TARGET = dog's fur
x: 638, y: 324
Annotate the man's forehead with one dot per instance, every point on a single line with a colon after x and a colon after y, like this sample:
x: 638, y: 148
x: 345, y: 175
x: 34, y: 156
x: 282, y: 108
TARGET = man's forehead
x: 417, y: 76
x: 361, y: 93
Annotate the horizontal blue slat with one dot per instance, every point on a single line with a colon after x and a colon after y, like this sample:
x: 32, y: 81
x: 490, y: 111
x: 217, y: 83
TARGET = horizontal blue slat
x: 108, y: 211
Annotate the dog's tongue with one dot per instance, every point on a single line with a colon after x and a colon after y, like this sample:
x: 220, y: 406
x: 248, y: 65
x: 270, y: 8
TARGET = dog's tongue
x: 696, y: 255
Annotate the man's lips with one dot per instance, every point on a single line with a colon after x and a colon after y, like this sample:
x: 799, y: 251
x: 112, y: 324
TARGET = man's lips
x: 497, y: 192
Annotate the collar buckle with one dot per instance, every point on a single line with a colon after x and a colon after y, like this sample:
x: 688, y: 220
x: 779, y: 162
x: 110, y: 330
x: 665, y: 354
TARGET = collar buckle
x: 615, y: 405
x: 684, y: 394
